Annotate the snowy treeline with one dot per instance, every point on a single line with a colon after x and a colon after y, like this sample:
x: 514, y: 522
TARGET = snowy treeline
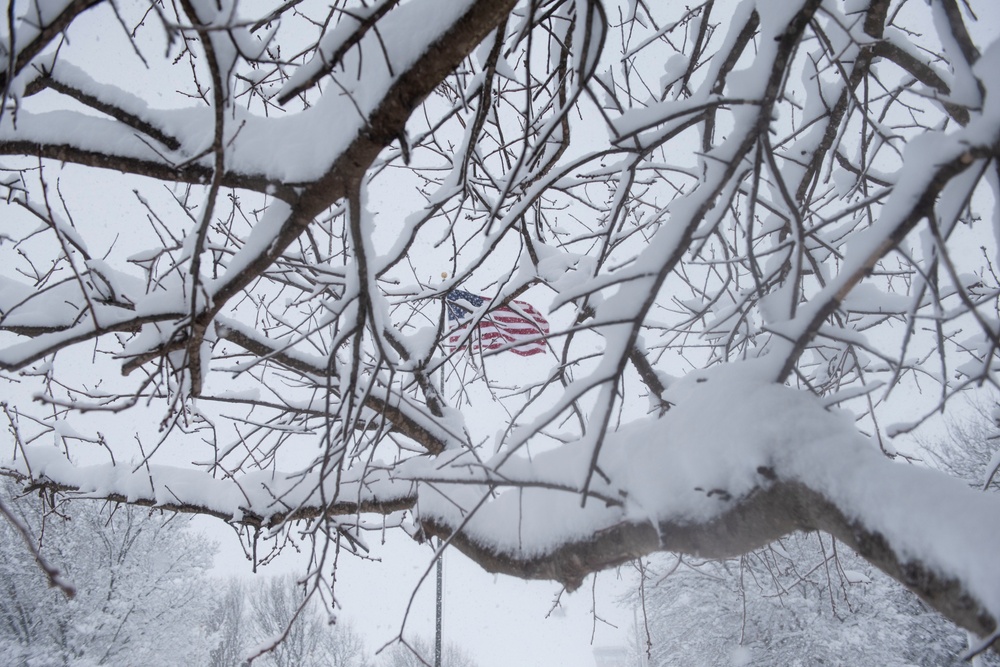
x: 144, y: 595
x: 800, y: 602
x: 142, y: 592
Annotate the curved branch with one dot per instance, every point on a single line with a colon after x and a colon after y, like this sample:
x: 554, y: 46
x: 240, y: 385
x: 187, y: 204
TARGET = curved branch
x: 772, y: 511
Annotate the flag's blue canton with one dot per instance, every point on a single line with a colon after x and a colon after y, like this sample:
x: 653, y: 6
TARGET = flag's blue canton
x: 459, y: 311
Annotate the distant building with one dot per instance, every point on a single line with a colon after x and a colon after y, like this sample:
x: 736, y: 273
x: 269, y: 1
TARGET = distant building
x: 611, y: 656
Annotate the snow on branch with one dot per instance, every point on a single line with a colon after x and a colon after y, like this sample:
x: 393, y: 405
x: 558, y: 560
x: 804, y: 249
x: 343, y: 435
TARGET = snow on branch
x: 262, y: 499
x: 691, y: 483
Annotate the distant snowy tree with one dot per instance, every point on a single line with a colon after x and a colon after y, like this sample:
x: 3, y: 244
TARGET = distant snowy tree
x: 229, y: 631
x: 798, y: 603
x: 563, y: 283
x: 141, y: 589
x: 970, y: 446
x: 419, y: 652
x: 310, y: 640
x: 251, y: 615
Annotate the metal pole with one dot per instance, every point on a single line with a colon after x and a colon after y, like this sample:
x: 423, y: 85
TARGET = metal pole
x: 640, y: 658
x: 440, y: 559
x: 440, y: 598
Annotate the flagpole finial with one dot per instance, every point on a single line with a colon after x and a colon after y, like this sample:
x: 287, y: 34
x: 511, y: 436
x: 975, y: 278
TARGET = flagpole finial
x: 444, y: 275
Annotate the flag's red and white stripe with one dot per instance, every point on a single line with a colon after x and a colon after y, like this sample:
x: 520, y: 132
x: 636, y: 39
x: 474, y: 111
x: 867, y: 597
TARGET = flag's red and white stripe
x: 517, y: 326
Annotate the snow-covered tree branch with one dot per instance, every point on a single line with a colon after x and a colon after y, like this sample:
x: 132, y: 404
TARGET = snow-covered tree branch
x: 561, y: 282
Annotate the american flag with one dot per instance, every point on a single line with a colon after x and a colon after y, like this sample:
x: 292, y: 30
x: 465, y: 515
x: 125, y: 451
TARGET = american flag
x: 517, y: 326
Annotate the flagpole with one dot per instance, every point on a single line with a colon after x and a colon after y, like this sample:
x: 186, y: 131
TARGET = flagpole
x: 440, y: 605
x: 440, y: 561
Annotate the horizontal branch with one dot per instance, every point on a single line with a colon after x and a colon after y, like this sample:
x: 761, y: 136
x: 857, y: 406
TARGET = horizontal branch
x: 194, y: 173
x: 245, y: 500
x: 46, y: 340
